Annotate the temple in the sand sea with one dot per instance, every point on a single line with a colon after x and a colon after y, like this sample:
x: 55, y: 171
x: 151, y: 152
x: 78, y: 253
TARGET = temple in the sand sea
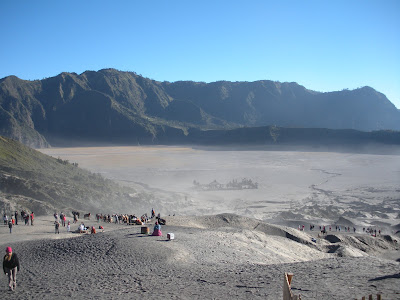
x: 244, y: 184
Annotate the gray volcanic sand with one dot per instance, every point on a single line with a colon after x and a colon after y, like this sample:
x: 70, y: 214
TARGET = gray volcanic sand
x: 212, y: 257
x: 224, y: 256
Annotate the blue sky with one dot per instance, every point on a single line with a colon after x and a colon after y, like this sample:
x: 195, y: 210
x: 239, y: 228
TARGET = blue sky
x: 323, y: 45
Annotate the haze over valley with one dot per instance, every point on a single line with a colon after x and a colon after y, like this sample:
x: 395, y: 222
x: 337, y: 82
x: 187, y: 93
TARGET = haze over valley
x: 305, y: 186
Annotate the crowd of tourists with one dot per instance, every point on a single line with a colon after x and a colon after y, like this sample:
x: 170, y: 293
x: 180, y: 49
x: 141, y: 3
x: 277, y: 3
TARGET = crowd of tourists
x: 12, y: 219
x: 123, y: 219
x: 338, y: 228
x: 11, y: 262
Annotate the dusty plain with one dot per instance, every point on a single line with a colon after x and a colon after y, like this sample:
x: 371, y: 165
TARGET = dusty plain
x: 316, y: 186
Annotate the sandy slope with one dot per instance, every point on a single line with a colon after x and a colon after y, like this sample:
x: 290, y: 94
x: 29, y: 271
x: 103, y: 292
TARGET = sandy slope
x: 212, y: 257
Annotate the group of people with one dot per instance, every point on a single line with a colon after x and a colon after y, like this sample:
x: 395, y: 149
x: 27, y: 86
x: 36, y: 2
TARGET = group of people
x: 11, y: 262
x: 82, y: 228
x: 339, y: 228
x: 26, y: 217
x: 61, y: 220
x: 157, y: 226
x: 324, y: 228
x: 122, y: 218
x: 372, y: 231
x: 132, y: 219
x: 13, y: 219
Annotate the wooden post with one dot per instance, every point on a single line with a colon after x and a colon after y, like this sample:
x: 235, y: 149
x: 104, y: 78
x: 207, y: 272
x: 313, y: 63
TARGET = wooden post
x: 370, y: 297
x: 289, y: 277
x: 363, y: 298
x: 287, y: 293
x: 379, y: 297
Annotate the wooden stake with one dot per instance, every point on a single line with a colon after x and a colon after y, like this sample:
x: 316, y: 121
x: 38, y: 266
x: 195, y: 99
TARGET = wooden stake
x: 287, y: 293
x: 289, y: 277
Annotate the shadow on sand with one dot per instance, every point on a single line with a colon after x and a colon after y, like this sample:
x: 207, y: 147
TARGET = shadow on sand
x: 386, y: 277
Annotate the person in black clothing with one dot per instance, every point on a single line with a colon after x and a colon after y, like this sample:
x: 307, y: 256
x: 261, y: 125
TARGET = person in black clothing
x: 16, y: 218
x: 10, y: 268
x: 57, y: 227
x: 10, y: 225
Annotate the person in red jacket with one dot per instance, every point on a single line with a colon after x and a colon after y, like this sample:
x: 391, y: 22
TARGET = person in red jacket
x: 10, y: 268
x: 32, y: 218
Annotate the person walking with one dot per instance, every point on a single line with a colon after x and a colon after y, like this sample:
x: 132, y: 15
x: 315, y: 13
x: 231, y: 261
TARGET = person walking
x: 10, y: 268
x: 10, y: 225
x: 57, y: 227
x: 16, y: 217
x: 32, y: 218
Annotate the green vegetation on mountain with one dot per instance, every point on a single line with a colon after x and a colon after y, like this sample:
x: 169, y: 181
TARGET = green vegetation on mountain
x: 35, y: 181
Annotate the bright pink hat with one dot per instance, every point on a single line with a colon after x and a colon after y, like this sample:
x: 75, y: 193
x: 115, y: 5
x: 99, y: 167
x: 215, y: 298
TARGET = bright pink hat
x: 8, y: 250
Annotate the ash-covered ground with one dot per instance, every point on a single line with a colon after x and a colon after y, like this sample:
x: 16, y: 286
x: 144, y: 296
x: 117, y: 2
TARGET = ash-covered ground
x: 298, y: 187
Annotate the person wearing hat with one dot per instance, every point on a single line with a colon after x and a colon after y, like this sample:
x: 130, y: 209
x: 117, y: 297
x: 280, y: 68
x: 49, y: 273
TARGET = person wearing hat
x: 10, y: 268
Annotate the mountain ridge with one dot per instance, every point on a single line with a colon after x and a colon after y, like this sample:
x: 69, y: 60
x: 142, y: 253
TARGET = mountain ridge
x: 113, y: 106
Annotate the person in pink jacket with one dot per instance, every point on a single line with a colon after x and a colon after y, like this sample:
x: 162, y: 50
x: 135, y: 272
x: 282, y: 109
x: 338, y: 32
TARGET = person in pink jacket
x: 157, y: 230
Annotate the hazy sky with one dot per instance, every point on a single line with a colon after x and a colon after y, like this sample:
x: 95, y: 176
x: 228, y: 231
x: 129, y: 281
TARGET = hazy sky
x: 323, y: 45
